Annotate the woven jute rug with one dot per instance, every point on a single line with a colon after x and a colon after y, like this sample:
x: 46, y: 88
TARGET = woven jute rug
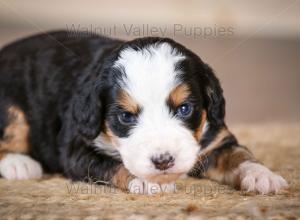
x: 54, y: 197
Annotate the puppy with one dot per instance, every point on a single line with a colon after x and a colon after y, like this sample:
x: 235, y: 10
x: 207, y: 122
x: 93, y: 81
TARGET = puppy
x: 131, y: 114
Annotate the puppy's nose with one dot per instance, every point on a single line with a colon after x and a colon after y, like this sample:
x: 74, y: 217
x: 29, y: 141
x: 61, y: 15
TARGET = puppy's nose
x: 163, y: 161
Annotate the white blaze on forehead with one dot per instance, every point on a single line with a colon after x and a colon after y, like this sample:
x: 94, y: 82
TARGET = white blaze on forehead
x: 150, y: 73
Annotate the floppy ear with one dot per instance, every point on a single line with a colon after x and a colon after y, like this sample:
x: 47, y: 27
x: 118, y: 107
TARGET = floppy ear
x: 87, y: 111
x: 214, y: 99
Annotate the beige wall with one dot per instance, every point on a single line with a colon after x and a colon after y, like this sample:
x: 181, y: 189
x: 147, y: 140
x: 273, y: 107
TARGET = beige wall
x: 262, y: 17
x: 258, y: 64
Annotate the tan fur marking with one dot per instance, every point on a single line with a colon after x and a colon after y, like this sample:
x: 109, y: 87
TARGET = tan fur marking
x: 226, y: 164
x: 164, y: 178
x: 230, y: 160
x: 127, y: 102
x: 179, y: 94
x: 2, y: 154
x: 109, y: 135
x: 215, y: 174
x: 122, y: 178
x: 228, y: 177
x: 216, y: 142
x: 16, y: 133
x: 198, y: 132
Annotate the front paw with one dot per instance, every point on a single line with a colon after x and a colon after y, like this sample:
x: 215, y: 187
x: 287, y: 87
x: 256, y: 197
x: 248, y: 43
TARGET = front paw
x: 19, y: 166
x: 255, y: 177
x: 139, y: 186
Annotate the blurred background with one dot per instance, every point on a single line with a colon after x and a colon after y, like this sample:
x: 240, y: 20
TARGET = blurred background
x: 253, y: 45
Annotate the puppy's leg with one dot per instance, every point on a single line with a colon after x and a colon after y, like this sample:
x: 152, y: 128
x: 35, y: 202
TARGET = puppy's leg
x: 14, y: 163
x: 225, y: 161
x: 83, y: 163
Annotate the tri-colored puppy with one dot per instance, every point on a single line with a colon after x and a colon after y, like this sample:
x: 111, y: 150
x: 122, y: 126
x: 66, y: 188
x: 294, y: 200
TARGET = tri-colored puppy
x: 133, y: 114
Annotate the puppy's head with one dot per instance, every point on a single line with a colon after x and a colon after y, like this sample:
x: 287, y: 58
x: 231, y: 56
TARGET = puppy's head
x: 153, y: 101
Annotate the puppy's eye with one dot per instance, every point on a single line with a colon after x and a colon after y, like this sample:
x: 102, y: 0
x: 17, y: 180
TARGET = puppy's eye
x: 127, y: 118
x: 184, y: 110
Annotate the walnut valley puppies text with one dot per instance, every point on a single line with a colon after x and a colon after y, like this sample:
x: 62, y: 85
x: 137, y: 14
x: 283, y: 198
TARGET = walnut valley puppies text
x: 142, y: 30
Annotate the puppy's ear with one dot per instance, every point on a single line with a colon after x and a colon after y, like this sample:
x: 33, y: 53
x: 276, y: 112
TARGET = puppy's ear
x: 214, y: 99
x: 87, y: 111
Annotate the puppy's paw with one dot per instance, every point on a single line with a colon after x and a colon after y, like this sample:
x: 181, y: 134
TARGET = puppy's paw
x: 139, y: 186
x: 18, y: 166
x: 255, y: 177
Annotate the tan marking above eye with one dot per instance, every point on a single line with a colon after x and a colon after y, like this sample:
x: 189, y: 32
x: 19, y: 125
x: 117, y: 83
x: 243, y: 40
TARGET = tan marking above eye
x: 179, y: 94
x: 127, y: 102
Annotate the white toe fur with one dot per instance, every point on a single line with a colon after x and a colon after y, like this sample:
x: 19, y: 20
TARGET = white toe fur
x: 258, y: 178
x: 19, y: 166
x: 139, y: 186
